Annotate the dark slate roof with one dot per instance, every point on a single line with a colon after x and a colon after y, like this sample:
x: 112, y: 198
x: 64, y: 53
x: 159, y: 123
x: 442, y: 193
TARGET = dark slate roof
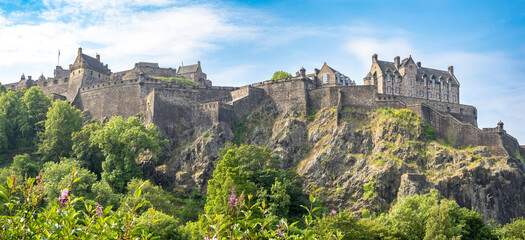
x: 188, y: 69
x: 434, y: 72
x: 95, y: 64
x: 386, y: 65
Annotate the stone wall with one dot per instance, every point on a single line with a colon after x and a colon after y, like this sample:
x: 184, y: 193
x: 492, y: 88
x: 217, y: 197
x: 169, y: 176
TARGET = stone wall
x: 287, y: 92
x: 245, y: 100
x: 107, y: 100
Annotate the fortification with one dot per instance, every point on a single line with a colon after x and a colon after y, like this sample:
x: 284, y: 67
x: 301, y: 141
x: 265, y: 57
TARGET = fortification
x: 179, y: 101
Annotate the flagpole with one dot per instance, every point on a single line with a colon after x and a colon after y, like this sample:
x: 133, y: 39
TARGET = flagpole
x: 58, y: 63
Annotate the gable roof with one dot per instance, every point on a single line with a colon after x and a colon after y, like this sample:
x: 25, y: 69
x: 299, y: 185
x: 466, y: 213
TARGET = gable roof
x: 188, y: 69
x: 384, y: 66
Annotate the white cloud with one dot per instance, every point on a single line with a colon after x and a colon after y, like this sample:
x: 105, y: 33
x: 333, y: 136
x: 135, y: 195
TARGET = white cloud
x: 115, y: 29
x: 234, y: 75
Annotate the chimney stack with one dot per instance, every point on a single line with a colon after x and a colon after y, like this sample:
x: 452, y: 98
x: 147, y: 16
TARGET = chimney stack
x: 374, y: 57
x: 98, y: 57
x: 418, y: 64
x: 79, y: 51
x: 396, y: 61
x: 451, y: 70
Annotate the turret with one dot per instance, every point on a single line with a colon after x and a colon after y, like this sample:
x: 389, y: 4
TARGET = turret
x: 303, y: 72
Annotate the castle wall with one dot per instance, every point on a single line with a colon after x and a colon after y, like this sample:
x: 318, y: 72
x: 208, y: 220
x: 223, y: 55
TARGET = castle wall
x: 286, y: 92
x: 107, y: 100
x: 464, y: 113
x: 245, y: 100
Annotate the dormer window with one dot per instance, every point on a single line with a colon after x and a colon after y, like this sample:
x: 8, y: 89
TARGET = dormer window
x: 449, y: 85
x: 441, y: 85
x: 388, y: 77
x: 433, y: 83
x: 425, y: 80
x: 396, y: 78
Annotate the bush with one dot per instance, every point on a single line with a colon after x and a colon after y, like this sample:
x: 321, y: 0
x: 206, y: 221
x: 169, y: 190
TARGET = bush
x: 281, y: 75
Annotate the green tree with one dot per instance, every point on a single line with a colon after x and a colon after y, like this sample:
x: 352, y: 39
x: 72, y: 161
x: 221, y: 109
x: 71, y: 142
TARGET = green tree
x: 37, y: 105
x: 280, y: 75
x: 17, y: 128
x: 121, y: 142
x: 62, y: 120
x: 87, y: 151
x: 57, y: 176
x: 152, y: 196
x: 513, y: 230
x: 25, y: 164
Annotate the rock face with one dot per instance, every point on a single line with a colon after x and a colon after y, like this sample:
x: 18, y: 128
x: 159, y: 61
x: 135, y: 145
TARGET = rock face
x: 363, y: 160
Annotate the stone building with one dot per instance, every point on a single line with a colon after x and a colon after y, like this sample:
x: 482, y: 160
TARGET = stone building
x: 407, y: 78
x: 177, y: 108
x: 331, y: 76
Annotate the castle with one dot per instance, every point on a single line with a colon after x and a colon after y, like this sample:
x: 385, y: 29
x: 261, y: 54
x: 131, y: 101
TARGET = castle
x: 178, y: 101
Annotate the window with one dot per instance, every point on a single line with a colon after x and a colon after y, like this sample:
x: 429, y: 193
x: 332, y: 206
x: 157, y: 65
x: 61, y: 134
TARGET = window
x: 55, y: 81
x: 45, y: 84
x: 91, y: 73
x: 441, y: 85
x: 410, y: 68
x: 453, y: 98
x: 388, y: 77
x: 99, y: 75
x: 429, y: 95
x: 397, y: 90
x: 425, y: 80
x: 421, y: 93
x: 396, y: 78
x: 65, y: 80
x: 326, y: 78
x: 449, y: 85
x: 433, y: 83
x: 446, y: 96
x: 438, y: 96
x: 388, y: 89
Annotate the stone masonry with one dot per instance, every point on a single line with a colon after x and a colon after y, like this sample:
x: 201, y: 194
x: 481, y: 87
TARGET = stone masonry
x: 148, y: 91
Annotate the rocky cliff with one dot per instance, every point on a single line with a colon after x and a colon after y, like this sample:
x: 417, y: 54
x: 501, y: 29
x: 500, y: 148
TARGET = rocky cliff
x: 365, y: 161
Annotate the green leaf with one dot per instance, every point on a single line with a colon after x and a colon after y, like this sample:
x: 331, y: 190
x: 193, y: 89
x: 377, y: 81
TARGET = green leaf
x: 3, y: 196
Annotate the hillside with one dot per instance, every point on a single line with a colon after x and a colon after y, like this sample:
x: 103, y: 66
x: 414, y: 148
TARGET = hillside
x: 365, y: 161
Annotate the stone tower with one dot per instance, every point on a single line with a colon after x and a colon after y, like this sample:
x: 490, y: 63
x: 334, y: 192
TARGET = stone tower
x: 86, y: 71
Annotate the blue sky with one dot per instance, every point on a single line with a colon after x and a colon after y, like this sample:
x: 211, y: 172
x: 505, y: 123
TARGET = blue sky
x: 242, y: 42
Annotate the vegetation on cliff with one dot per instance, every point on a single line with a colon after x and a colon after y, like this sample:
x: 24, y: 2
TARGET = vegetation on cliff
x: 177, y: 80
x: 339, y: 173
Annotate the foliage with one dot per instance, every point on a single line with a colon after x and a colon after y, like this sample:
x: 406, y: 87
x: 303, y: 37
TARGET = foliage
x: 86, y: 151
x: 17, y: 130
x: 161, y: 225
x: 25, y: 164
x: 238, y: 131
x: 513, y: 230
x: 57, y: 176
x: 280, y: 75
x: 37, y: 105
x: 368, y: 189
x: 429, y: 131
x: 177, y: 80
x: 152, y: 196
x: 25, y: 218
x: 62, y: 120
x: 121, y: 142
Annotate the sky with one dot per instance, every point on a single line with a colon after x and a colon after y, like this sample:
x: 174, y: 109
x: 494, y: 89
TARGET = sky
x: 243, y: 42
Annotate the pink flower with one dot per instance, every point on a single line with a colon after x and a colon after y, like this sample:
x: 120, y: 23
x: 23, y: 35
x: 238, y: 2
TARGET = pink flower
x: 99, y: 210
x: 206, y: 238
x: 333, y: 212
x: 64, y: 197
x: 280, y: 232
x: 233, y: 199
